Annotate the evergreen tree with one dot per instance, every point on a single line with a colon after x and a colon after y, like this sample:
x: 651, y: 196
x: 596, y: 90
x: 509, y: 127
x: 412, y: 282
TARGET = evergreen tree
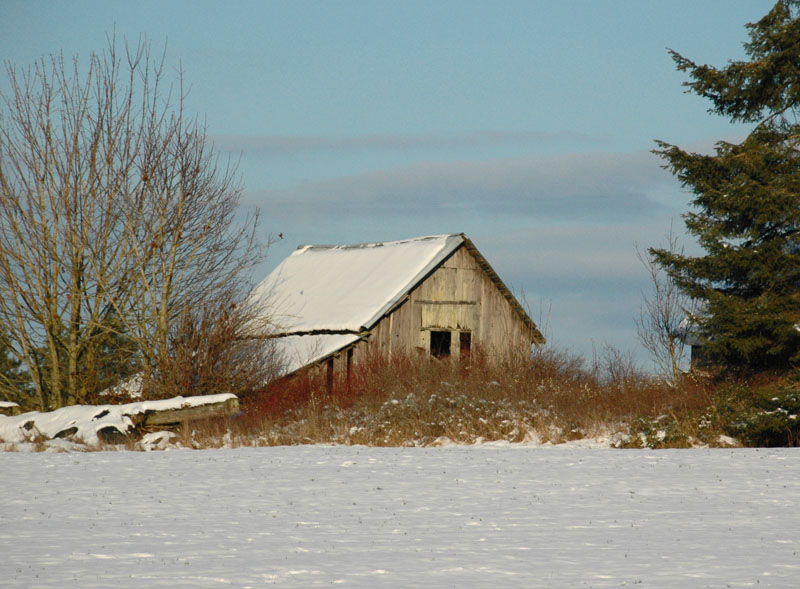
x: 746, y: 206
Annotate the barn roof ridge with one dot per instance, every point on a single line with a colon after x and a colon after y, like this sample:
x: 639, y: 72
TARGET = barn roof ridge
x: 370, y: 244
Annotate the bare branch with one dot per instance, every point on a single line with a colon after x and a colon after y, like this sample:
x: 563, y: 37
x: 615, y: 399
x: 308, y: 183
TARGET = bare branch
x: 661, y: 313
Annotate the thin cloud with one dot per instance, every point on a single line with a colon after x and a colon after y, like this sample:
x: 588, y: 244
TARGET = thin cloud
x: 285, y: 145
x: 595, y: 186
x: 574, y: 252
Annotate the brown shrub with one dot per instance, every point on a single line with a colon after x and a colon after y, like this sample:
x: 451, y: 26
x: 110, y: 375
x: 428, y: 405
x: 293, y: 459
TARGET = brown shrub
x: 415, y: 400
x: 207, y: 354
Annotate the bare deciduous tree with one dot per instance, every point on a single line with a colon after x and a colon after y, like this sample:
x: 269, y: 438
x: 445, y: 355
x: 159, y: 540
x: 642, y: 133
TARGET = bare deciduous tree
x: 661, y: 313
x: 115, y: 217
x: 207, y: 353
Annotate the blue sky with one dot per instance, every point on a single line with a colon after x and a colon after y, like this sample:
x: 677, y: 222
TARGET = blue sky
x: 526, y: 125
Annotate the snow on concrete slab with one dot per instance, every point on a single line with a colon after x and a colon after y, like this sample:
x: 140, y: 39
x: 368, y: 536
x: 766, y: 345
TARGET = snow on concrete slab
x: 84, y: 422
x: 484, y: 516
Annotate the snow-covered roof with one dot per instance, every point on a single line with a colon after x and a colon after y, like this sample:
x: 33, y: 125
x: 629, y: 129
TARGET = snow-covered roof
x: 339, y: 289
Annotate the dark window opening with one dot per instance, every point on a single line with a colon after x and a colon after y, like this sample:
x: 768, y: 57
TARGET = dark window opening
x: 465, y: 341
x: 440, y: 344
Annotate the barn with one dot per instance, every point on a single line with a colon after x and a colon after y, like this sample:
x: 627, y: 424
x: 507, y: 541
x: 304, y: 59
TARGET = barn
x: 437, y: 295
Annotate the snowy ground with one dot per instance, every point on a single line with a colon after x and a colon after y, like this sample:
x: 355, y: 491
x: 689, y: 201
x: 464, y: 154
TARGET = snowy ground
x: 487, y: 516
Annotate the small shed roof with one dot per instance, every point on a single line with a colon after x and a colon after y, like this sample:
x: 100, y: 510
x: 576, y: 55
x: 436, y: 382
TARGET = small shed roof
x: 297, y: 351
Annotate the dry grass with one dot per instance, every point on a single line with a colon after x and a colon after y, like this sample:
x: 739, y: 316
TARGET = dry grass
x: 553, y: 396
x: 419, y: 401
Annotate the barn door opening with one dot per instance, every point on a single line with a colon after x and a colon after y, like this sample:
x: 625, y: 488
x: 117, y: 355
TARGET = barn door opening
x: 465, y: 343
x: 440, y: 344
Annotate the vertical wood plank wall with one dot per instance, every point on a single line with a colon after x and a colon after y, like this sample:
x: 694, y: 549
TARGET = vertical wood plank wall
x: 458, y: 296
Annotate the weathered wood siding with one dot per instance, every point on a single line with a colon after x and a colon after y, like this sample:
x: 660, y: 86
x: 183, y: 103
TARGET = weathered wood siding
x: 457, y: 297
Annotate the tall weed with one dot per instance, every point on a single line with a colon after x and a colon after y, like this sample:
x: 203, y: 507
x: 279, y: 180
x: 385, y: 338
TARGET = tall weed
x: 414, y: 400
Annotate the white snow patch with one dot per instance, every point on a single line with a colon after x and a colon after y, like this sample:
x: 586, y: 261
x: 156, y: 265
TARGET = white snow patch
x: 131, y: 388
x: 443, y: 441
x: 727, y: 441
x: 156, y: 440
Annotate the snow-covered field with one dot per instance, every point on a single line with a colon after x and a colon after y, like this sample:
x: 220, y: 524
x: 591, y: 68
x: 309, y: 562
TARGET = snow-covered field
x: 485, y: 516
